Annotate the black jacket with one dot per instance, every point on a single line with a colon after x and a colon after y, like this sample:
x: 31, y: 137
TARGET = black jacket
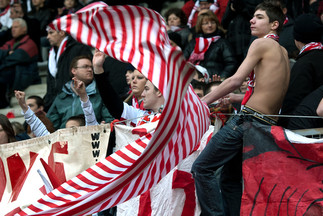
x: 306, y: 76
x: 218, y: 59
x: 55, y: 84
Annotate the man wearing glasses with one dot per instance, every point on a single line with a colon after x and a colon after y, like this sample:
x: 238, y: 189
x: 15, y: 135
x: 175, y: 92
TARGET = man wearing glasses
x: 70, y: 103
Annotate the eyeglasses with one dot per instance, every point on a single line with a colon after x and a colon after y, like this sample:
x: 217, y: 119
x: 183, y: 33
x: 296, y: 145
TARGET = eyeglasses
x: 85, y: 67
x: 209, y: 22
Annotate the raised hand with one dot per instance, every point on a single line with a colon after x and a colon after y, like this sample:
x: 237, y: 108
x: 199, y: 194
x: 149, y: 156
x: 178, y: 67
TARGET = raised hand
x: 20, y: 96
x: 97, y: 61
x: 79, y: 88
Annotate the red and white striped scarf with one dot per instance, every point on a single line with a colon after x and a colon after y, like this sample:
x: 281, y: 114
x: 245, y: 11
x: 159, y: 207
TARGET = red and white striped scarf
x: 311, y: 46
x: 214, y: 7
x: 136, y: 35
x: 201, y: 46
x: 252, y: 76
x: 53, y: 57
x: 5, y: 10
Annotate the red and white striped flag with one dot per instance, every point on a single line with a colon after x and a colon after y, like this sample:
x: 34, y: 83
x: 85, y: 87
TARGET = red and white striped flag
x: 136, y: 35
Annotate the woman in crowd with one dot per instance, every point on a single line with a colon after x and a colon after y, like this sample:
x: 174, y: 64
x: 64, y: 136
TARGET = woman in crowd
x: 7, y: 134
x: 209, y: 49
x: 176, y: 22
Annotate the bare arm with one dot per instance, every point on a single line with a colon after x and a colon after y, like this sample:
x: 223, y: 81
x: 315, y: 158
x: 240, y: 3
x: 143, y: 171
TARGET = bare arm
x: 319, y: 110
x: 255, y: 53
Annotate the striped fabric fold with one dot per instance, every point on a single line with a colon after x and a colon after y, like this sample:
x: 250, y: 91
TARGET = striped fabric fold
x: 136, y: 35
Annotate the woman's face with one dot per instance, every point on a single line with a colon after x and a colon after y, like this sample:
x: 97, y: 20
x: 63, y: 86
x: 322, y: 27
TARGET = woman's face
x: 208, y: 26
x: 3, y: 136
x: 174, y: 20
x: 138, y: 83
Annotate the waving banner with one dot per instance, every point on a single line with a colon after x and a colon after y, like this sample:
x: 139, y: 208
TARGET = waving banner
x: 136, y: 35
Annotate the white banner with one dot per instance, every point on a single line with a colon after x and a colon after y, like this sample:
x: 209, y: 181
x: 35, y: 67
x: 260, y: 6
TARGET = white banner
x: 67, y: 152
x: 175, y: 193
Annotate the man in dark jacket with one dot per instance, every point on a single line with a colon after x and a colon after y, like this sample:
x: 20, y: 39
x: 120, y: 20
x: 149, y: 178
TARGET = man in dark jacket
x: 307, y: 72
x: 18, y: 62
x: 63, y: 50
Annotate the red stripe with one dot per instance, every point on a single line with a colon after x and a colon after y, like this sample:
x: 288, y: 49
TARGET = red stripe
x: 165, y: 144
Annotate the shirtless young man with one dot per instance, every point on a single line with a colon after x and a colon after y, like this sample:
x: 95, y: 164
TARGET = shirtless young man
x: 270, y: 64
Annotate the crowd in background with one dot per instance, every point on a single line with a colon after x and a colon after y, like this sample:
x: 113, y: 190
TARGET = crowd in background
x: 213, y: 35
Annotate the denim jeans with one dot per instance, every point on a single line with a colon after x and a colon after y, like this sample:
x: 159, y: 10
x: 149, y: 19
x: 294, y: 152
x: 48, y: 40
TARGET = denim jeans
x: 224, y: 149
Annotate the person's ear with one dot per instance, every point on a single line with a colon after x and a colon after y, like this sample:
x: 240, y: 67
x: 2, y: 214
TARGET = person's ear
x: 274, y: 25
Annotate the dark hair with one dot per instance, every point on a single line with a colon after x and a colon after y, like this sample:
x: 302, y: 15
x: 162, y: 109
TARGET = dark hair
x: 280, y: 3
x: 7, y: 127
x: 274, y: 13
x: 79, y: 118
x: 198, y: 85
x: 209, y: 15
x: 75, y: 60
x: 39, y: 100
x: 179, y: 13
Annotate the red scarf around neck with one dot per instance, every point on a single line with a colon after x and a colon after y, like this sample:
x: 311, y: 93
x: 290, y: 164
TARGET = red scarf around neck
x: 201, y: 46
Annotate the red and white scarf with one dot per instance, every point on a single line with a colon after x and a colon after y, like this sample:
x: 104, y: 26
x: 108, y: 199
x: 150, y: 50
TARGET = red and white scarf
x: 214, y: 7
x: 201, y: 46
x: 5, y: 11
x: 53, y: 57
x: 139, y: 104
x: 311, y: 46
x: 252, y: 76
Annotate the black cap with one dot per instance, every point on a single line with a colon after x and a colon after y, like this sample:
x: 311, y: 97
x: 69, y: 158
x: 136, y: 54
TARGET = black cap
x: 308, y: 28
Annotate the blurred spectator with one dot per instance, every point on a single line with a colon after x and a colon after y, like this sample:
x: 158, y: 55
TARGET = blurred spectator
x: 192, y: 8
x: 177, y: 22
x: 199, y: 88
x: 70, y: 6
x: 36, y: 105
x: 307, y: 72
x: 236, y: 21
x: 287, y: 32
x: 42, y: 13
x: 64, y: 49
x: 18, y: 58
x: 5, y: 21
x: 75, y: 121
x: 307, y: 107
x: 18, y: 10
x: 20, y: 132
x: 68, y: 103
x: 7, y: 134
x: 210, y: 49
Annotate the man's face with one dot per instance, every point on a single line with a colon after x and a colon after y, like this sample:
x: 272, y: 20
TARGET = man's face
x: 150, y: 95
x: 260, y: 25
x: 55, y: 37
x: 38, y: 3
x: 4, y: 3
x: 83, y: 71
x: 33, y: 105
x: 16, y: 11
x: 205, y: 5
x: 17, y: 30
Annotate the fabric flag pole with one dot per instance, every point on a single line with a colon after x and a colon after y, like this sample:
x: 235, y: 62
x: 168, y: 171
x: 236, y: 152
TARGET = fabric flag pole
x: 136, y: 35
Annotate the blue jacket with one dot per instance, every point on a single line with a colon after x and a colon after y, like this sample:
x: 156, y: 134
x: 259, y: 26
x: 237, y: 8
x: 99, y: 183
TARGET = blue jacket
x: 67, y: 104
